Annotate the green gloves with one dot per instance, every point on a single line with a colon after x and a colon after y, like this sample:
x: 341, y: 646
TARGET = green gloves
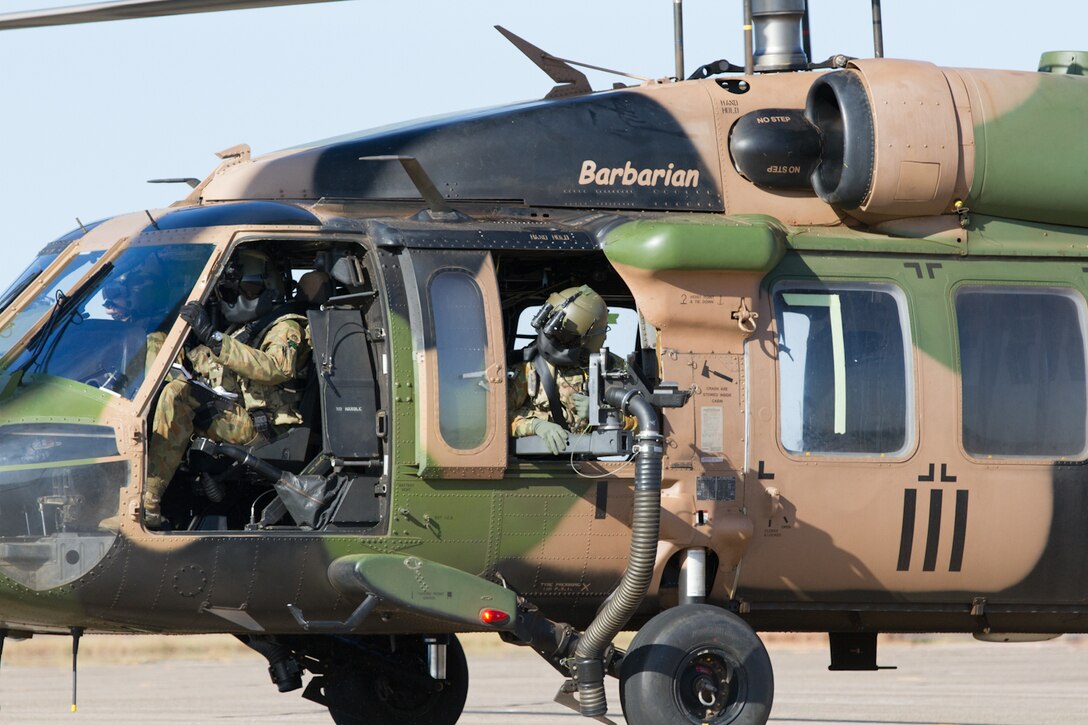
x: 553, y: 435
x: 581, y: 405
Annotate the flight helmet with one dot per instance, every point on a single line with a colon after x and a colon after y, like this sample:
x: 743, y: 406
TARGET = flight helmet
x: 250, y: 288
x: 571, y: 325
x: 135, y: 295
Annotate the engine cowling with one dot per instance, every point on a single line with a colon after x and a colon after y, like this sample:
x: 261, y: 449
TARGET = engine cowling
x: 1004, y: 143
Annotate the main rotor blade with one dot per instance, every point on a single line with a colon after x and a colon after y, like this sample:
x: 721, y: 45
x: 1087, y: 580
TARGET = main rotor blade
x: 132, y: 9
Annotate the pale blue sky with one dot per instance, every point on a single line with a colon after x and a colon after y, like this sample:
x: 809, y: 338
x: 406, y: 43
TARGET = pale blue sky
x: 88, y: 113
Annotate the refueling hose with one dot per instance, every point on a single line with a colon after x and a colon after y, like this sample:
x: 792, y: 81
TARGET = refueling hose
x: 587, y: 666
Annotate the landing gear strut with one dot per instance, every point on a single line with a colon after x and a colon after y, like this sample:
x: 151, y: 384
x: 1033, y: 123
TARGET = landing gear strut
x: 696, y: 664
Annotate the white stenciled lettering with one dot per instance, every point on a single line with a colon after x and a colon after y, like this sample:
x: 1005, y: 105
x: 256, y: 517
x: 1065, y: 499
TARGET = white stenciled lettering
x: 630, y: 174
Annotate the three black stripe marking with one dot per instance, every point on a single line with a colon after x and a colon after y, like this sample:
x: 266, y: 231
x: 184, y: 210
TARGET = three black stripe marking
x: 933, y: 533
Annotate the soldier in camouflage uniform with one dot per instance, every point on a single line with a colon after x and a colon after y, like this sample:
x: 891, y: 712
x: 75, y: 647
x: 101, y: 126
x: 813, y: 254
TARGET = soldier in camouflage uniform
x: 570, y: 326
x: 139, y: 296
x: 246, y: 391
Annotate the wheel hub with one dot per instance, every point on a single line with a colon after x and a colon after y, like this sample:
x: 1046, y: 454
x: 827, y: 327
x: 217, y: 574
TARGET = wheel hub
x: 708, y: 685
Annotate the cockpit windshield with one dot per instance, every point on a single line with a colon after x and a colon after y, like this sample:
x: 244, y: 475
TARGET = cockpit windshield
x: 106, y: 333
x: 30, y: 314
x: 40, y: 263
x: 31, y: 273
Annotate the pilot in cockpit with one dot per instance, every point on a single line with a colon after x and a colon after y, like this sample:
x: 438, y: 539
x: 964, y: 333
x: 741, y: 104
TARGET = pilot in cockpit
x: 547, y: 392
x: 245, y: 385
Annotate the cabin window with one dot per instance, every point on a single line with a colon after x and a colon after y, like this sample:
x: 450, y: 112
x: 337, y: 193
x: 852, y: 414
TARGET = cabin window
x: 621, y: 340
x: 844, y: 372
x: 457, y: 307
x: 1022, y: 362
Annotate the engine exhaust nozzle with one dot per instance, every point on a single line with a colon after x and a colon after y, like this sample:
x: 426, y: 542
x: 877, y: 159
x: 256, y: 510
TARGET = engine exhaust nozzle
x: 778, y: 39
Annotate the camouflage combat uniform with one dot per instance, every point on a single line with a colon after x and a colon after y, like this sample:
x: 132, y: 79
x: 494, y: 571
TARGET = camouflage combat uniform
x: 527, y: 399
x: 258, y: 375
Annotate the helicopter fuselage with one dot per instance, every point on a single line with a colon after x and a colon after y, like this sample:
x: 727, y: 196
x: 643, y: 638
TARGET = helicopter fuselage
x: 868, y: 286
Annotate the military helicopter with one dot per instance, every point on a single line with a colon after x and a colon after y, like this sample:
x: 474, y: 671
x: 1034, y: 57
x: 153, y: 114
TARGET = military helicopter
x: 856, y: 363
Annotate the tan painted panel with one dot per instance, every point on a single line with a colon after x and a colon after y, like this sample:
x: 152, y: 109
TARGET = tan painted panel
x: 996, y: 92
x: 693, y: 308
x: 966, y: 122
x: 917, y: 138
x: 701, y: 349
x: 488, y: 460
x: 825, y: 523
x: 776, y: 90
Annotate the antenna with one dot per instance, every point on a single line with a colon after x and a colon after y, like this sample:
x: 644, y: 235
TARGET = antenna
x: 193, y: 183
x: 749, y: 56
x: 421, y: 180
x: 878, y: 31
x: 77, y: 632
x: 678, y: 35
x: 806, y: 34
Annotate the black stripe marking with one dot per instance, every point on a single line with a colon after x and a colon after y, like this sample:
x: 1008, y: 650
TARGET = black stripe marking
x: 927, y: 477
x: 602, y: 500
x: 933, y: 539
x: 906, y: 539
x: 959, y: 535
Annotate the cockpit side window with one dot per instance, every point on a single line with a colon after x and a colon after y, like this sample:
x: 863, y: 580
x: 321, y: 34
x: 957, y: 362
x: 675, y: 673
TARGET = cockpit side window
x: 623, y: 329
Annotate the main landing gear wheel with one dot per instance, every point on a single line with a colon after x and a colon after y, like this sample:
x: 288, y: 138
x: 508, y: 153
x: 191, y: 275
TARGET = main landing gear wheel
x: 384, y: 698
x: 696, y: 664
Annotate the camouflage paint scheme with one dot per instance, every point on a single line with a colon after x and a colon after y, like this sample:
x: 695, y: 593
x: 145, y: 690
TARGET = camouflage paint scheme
x: 964, y: 181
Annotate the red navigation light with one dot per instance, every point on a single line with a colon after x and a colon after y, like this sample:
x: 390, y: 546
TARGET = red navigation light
x: 494, y: 617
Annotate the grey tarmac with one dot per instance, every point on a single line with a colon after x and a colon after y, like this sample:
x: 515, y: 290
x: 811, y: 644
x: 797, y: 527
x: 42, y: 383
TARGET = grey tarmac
x: 949, y: 681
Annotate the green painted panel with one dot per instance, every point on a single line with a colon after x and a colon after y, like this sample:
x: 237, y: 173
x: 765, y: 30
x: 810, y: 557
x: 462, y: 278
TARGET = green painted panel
x: 432, y: 589
x: 44, y: 398
x: 1029, y: 162
x: 990, y: 236
x: 727, y: 243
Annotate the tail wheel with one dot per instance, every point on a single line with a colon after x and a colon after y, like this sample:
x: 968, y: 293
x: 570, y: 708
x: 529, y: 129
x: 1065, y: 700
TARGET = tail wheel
x: 390, y: 698
x: 697, y: 664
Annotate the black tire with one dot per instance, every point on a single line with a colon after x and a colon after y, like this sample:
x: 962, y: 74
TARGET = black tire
x: 693, y: 650
x: 354, y: 698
